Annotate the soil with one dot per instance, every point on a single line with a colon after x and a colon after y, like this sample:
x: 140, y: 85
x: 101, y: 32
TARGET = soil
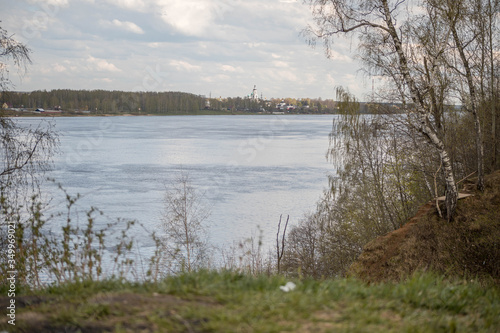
x: 130, y: 312
x: 467, y: 246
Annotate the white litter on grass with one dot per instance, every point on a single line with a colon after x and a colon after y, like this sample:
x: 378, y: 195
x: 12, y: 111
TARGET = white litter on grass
x: 289, y: 286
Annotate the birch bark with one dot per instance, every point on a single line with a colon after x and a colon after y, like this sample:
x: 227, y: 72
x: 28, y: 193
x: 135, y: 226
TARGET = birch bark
x: 424, y: 113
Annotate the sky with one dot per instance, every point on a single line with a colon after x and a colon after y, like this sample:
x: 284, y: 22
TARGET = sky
x: 205, y: 47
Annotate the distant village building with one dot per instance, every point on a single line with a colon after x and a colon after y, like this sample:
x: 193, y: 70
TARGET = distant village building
x: 254, y: 95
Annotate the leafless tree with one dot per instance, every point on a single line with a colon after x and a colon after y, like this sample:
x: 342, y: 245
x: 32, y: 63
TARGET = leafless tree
x: 185, y: 241
x: 11, y: 52
x: 25, y: 152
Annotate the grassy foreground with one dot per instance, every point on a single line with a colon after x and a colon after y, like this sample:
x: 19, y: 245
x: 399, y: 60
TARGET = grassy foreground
x: 232, y: 302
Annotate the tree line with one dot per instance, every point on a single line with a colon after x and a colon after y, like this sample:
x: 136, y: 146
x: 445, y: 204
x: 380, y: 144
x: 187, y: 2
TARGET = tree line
x: 104, y: 101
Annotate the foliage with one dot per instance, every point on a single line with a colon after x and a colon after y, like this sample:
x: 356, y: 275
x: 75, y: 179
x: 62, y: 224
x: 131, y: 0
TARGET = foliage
x: 170, y: 102
x: 101, y: 101
x: 375, y: 189
x: 57, y: 249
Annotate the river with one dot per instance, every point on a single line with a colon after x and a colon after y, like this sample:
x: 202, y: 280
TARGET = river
x: 248, y: 169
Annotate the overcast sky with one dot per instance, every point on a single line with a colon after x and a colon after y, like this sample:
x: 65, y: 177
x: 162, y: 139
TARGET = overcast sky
x: 217, y: 47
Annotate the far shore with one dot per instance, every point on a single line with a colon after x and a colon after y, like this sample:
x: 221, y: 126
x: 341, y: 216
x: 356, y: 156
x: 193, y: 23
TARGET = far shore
x: 50, y: 113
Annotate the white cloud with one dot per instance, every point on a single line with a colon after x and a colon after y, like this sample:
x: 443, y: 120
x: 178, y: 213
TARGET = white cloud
x: 124, y: 25
x: 216, y: 78
x: 287, y: 75
x: 60, y: 3
x: 137, y: 5
x: 308, y: 78
x: 56, y: 68
x: 281, y: 64
x: 184, y: 66
x: 331, y: 79
x: 229, y: 44
x: 253, y: 45
x: 229, y: 68
x: 337, y: 56
x: 101, y: 65
x: 193, y: 17
x: 59, y: 68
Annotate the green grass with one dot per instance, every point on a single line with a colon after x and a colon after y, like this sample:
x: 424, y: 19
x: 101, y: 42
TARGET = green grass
x: 209, y: 301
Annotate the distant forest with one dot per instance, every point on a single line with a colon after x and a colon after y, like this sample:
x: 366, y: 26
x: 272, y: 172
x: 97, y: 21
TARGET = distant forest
x: 103, y: 101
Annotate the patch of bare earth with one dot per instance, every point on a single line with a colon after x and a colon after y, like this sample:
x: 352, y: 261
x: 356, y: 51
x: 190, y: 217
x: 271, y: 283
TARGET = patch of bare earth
x: 130, y: 312
x: 334, y: 320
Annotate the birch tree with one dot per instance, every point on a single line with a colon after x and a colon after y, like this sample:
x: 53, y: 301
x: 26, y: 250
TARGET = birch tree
x: 466, y: 57
x: 387, y: 41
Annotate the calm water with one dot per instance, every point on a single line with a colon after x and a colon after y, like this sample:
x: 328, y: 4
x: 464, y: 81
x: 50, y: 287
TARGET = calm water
x: 251, y: 169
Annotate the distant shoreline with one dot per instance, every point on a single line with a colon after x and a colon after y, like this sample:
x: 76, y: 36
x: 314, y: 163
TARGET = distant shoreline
x: 27, y: 114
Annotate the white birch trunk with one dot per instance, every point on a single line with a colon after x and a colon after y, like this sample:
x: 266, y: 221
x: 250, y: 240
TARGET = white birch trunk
x: 425, y: 128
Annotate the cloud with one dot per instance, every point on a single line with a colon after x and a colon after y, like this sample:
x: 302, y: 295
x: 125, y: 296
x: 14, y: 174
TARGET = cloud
x: 101, y: 65
x: 286, y: 75
x: 59, y: 68
x: 124, y: 25
x: 60, y: 3
x: 330, y: 79
x: 229, y: 45
x: 338, y: 56
x: 216, y: 78
x: 253, y: 45
x: 281, y: 64
x: 192, y: 17
x: 229, y: 68
x: 184, y: 66
x: 136, y: 5
x: 56, y: 68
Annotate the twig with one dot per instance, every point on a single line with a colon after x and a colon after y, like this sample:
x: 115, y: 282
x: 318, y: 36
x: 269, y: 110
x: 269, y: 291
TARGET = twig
x: 466, y: 177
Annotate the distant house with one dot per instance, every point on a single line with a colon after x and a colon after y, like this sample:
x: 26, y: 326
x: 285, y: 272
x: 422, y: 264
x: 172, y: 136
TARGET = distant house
x: 40, y: 110
x: 5, y: 106
x: 281, y: 106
